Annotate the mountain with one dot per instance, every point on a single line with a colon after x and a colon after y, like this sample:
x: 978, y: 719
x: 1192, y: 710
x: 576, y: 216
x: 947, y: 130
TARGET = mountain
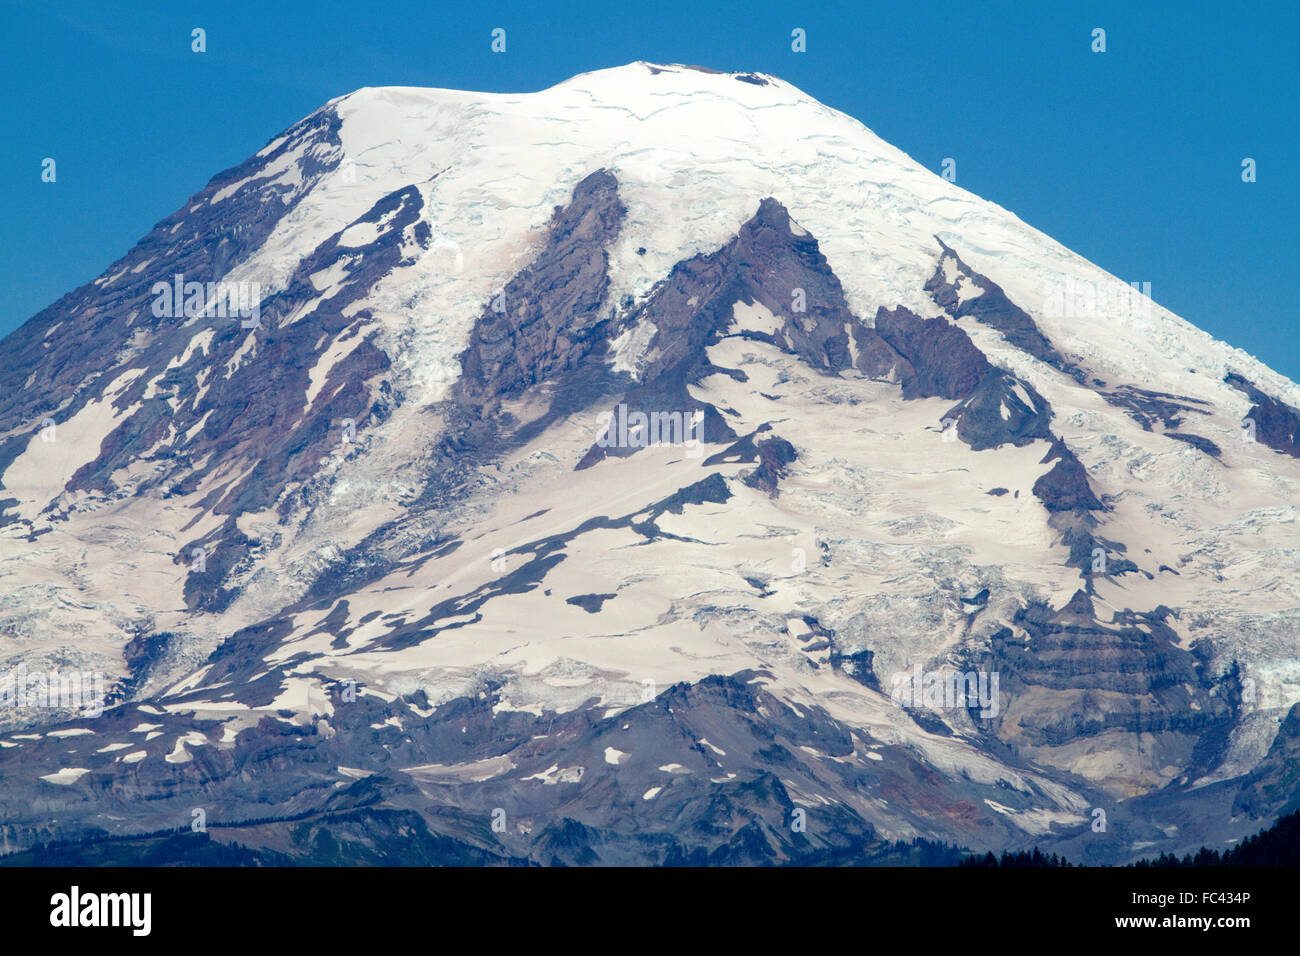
x: 658, y: 468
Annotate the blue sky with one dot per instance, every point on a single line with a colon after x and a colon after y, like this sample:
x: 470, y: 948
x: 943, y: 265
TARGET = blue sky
x: 1131, y: 157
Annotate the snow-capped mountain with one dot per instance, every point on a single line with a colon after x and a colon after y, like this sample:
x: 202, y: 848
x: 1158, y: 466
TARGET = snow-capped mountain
x: 622, y: 473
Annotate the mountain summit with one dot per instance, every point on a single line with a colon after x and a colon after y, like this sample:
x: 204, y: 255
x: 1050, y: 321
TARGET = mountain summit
x: 656, y: 468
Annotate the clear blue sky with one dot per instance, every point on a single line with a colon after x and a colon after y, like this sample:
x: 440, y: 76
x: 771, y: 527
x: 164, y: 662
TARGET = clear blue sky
x: 1132, y: 157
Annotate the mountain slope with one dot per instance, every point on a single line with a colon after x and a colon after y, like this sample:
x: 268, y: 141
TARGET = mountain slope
x: 583, y: 474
